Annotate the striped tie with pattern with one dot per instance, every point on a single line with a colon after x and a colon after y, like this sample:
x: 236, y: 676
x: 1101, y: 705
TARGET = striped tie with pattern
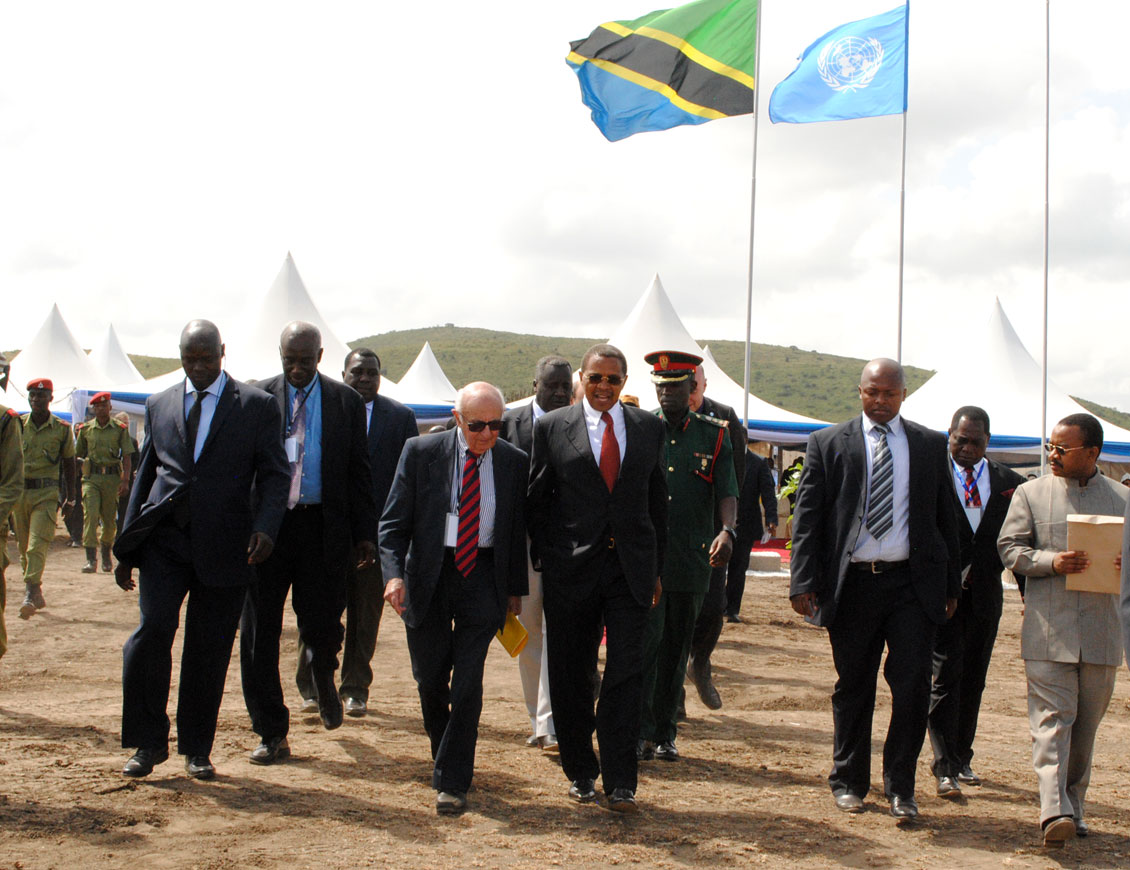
x: 467, y: 543
x: 881, y: 508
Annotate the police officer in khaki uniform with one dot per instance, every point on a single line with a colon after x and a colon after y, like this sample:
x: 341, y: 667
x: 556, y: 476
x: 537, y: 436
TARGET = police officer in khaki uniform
x: 104, y: 446
x: 47, y: 449
x: 11, y: 487
x: 700, y: 482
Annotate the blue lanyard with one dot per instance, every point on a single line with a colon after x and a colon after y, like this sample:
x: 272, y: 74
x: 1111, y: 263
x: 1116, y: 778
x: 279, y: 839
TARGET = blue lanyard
x: 971, y: 487
x: 301, y: 404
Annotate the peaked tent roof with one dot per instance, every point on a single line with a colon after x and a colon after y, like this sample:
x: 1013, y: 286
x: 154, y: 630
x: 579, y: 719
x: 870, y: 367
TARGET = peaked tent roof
x: 423, y: 384
x: 253, y: 351
x: 1004, y: 379
x: 53, y: 353
x: 653, y: 324
x: 110, y: 356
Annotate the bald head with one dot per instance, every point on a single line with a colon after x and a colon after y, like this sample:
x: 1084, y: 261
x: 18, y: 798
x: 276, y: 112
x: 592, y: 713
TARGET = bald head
x: 882, y: 388
x: 300, y: 348
x: 201, y: 353
x: 479, y: 406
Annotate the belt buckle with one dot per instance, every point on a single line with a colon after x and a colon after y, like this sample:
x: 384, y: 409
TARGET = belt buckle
x: 611, y: 542
x: 872, y: 565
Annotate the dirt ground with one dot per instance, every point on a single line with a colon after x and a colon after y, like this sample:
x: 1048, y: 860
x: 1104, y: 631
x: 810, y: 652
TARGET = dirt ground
x: 750, y: 789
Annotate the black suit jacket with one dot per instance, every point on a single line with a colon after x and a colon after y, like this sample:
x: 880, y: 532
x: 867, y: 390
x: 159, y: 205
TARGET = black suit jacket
x: 348, y: 507
x: 830, y: 511
x: 414, y: 519
x: 518, y: 427
x: 237, y: 486
x: 391, y: 425
x: 572, y: 513
x: 979, y: 550
x: 757, y: 490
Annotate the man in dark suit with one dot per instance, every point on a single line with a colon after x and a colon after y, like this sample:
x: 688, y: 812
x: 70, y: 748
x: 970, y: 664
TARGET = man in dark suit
x: 757, y: 491
x: 964, y: 645
x: 598, y: 523
x: 330, y: 512
x: 708, y: 626
x: 389, y: 425
x: 453, y: 541
x: 206, y: 505
x: 553, y: 389
x: 875, y: 561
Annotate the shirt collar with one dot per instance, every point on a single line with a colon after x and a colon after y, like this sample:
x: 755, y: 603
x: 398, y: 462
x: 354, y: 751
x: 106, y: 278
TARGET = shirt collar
x: 894, y: 424
x: 538, y: 412
x: 617, y: 411
x: 978, y: 467
x: 292, y: 391
x: 214, y: 388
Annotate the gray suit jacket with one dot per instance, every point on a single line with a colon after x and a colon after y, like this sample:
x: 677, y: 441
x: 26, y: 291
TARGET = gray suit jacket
x: 1060, y: 626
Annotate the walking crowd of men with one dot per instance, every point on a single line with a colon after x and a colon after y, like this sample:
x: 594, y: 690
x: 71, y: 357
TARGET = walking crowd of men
x: 591, y: 521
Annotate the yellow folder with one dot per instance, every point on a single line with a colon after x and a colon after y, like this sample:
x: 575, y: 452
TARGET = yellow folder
x: 513, y: 636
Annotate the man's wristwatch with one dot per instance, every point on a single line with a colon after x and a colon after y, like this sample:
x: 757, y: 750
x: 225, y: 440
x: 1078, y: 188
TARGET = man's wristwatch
x: 733, y: 532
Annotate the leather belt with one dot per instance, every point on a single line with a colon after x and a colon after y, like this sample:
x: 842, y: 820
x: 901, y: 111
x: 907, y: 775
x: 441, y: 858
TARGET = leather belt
x: 106, y: 469
x: 879, y: 567
x: 40, y: 482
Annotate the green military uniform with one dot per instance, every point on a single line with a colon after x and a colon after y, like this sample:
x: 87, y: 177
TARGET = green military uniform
x: 700, y: 473
x: 11, y: 487
x: 44, y: 449
x: 101, y: 448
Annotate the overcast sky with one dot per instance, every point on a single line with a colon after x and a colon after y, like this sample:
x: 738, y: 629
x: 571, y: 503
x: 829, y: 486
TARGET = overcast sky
x: 433, y: 162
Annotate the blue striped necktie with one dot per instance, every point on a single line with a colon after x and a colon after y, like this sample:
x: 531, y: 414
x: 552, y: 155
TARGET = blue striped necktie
x: 881, y: 507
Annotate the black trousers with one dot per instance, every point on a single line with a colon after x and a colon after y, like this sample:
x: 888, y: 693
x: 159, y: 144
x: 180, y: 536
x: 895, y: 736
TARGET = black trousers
x: 573, y: 631
x: 877, y: 611
x: 962, y: 652
x: 297, y: 565
x: 735, y: 572
x: 448, y: 650
x: 364, y: 604
x: 166, y: 577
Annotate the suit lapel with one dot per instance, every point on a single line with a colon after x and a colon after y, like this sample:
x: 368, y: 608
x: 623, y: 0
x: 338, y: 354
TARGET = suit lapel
x: 440, y: 472
x: 577, y: 432
x: 178, y: 416
x: 224, y: 405
x: 376, y: 423
x: 854, y: 452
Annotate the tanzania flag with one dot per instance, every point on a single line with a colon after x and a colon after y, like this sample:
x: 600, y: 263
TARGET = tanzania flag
x: 675, y: 66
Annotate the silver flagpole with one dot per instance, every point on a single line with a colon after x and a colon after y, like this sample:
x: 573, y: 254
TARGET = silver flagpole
x: 902, y: 229
x: 1047, y: 176
x: 752, y: 212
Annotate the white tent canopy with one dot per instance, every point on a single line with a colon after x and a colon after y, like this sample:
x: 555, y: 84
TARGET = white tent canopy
x: 1001, y: 376
x: 253, y: 350
x: 423, y: 384
x: 653, y: 324
x: 110, y: 357
x: 53, y: 353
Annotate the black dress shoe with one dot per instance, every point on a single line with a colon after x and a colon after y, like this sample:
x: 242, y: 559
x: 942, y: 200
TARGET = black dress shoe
x: 583, y: 791
x: 270, y: 751
x: 450, y: 803
x: 733, y: 618
x: 666, y: 751
x: 903, y: 808
x: 948, y: 787
x: 700, y: 673
x: 144, y: 760
x: 966, y: 776
x: 848, y: 802
x: 622, y: 800
x: 199, y: 767
x: 329, y: 701
x: 1057, y: 831
x: 355, y: 707
x: 645, y: 750
x: 1081, y: 829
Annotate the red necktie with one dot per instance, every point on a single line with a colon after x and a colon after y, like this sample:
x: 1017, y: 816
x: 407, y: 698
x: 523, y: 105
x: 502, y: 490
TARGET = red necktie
x: 609, y: 453
x: 972, y: 494
x: 467, y: 543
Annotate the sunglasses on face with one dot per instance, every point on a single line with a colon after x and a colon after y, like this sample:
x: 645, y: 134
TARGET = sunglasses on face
x: 613, y: 380
x: 1060, y: 449
x: 479, y: 425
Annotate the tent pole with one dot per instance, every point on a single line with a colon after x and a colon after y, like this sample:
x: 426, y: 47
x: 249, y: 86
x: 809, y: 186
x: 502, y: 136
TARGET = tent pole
x: 1047, y: 164
x: 752, y: 212
x: 902, y: 229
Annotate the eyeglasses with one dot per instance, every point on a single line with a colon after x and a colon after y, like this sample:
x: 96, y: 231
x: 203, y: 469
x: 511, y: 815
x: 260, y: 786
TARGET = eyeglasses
x: 1060, y: 449
x: 480, y: 425
x: 613, y: 380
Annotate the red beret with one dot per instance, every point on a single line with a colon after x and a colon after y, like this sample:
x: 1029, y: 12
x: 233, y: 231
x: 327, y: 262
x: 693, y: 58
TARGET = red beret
x: 99, y: 397
x: 41, y: 384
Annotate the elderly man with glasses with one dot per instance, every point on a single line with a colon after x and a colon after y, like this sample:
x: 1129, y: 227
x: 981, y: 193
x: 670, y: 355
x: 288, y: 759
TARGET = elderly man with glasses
x: 1070, y: 641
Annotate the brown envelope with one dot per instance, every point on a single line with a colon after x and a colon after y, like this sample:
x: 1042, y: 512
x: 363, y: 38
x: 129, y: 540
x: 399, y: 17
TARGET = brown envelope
x: 1101, y: 539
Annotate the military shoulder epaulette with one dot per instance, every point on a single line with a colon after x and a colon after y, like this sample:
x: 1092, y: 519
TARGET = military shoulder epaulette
x: 78, y: 426
x: 722, y: 424
x: 12, y: 412
x: 121, y: 425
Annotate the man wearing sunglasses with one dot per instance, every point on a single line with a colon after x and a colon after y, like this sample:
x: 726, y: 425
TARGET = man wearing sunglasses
x: 1070, y: 641
x: 598, y: 524
x: 453, y: 554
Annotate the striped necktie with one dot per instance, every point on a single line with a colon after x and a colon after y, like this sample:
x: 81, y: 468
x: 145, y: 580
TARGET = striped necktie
x: 881, y: 508
x: 467, y: 542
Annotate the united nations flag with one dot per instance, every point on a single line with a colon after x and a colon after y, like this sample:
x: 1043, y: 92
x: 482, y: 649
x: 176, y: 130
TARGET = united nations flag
x: 857, y: 70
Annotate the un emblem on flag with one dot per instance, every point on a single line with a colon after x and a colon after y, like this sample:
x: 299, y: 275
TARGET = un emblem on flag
x: 850, y: 63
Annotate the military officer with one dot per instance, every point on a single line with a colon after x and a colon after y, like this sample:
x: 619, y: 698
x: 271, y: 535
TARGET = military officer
x: 104, y: 446
x: 47, y: 449
x: 700, y: 482
x: 11, y: 487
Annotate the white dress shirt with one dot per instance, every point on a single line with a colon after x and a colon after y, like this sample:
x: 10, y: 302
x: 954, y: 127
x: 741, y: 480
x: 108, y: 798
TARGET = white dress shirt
x: 596, y: 428
x: 895, y: 545
x: 207, y: 408
x: 368, y: 414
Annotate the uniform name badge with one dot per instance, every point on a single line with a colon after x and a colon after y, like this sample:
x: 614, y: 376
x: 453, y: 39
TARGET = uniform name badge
x: 291, y: 445
x: 451, y: 530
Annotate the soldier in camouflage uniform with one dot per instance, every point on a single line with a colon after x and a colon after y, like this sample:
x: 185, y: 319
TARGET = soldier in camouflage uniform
x: 104, y: 446
x: 700, y: 481
x: 11, y: 487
